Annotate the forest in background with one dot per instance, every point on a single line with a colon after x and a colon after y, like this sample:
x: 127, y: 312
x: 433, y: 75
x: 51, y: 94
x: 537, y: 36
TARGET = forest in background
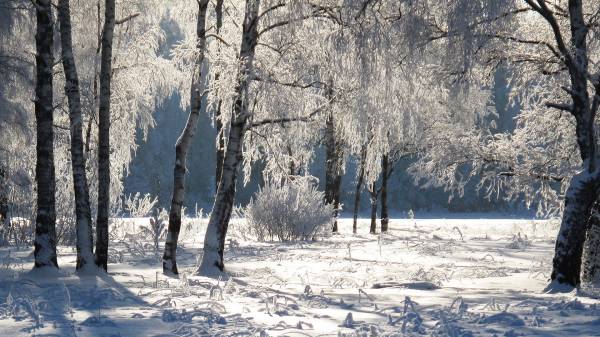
x: 149, y: 169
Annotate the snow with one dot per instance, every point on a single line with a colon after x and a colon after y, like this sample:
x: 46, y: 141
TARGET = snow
x: 433, y: 277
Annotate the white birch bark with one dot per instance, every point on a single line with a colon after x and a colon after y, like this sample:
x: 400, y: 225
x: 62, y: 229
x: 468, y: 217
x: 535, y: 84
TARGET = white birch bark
x: 214, y: 240
x: 182, y: 148
x: 584, y: 187
x: 83, y: 215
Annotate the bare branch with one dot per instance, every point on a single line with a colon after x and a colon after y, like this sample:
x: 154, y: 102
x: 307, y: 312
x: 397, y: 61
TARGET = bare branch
x: 126, y: 19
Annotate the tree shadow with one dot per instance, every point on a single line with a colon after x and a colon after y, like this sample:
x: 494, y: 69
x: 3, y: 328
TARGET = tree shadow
x: 59, y: 303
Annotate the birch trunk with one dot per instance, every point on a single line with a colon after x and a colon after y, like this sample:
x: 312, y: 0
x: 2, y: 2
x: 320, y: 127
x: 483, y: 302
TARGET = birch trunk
x: 218, y: 121
x: 579, y: 199
x: 214, y: 240
x: 333, y: 170
x: 385, y: 166
x: 182, y: 148
x: 83, y: 214
x: 361, y: 175
x: 3, y: 193
x: 45, y: 223
x: 4, y: 221
x: 292, y: 170
x: 584, y: 187
x: 373, y: 193
x: 104, y: 137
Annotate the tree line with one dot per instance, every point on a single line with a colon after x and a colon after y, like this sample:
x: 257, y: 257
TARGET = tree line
x: 374, y: 80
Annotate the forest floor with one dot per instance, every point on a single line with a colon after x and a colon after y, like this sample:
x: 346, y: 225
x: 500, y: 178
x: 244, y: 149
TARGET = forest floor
x: 476, y: 277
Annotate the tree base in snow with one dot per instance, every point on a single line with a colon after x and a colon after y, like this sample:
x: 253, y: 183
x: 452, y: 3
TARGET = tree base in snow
x: 555, y: 288
x: 213, y: 272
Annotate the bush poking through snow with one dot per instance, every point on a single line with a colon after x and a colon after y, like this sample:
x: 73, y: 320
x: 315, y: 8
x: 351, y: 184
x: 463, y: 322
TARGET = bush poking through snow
x: 140, y: 206
x: 519, y: 242
x: 156, y: 229
x: 292, y: 212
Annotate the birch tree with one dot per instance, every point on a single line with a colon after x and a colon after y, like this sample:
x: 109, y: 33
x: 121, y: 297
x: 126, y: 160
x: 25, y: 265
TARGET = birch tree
x: 550, y: 49
x: 83, y: 213
x: 214, y: 240
x: 183, y: 145
x: 104, y: 137
x: 249, y: 98
x: 141, y: 73
x: 334, y: 164
x: 218, y: 105
x: 45, y: 224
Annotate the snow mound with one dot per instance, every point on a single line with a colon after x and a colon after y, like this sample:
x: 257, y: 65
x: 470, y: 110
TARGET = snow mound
x: 504, y: 318
x: 98, y: 321
x: 419, y: 285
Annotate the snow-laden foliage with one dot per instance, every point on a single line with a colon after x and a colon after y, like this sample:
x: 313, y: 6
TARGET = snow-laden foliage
x: 534, y: 162
x: 143, y: 77
x: 139, y: 206
x: 289, y: 212
x: 16, y: 86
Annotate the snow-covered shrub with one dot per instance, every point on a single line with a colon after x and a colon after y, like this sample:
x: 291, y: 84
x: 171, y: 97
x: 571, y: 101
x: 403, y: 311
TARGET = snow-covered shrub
x: 294, y: 211
x: 192, y: 225
x: 519, y: 242
x: 140, y: 206
x: 156, y: 229
x: 21, y: 231
x: 66, y: 231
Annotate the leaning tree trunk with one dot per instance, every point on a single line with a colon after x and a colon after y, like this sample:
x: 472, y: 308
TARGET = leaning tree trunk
x: 333, y: 169
x: 359, y: 182
x: 214, y: 240
x: 182, y: 147
x: 45, y: 222
x: 584, y: 187
x: 218, y: 118
x: 373, y: 193
x: 104, y: 137
x: 83, y: 214
x: 385, y: 167
x: 579, y: 199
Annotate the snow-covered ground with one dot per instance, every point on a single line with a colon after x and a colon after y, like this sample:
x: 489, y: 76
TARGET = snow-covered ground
x: 431, y: 277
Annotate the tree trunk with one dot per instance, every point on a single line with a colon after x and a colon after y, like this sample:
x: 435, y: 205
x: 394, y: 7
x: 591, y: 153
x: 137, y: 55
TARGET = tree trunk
x: 45, y: 226
x: 88, y: 132
x: 83, y: 214
x: 579, y: 199
x: 104, y: 137
x: 584, y: 187
x: 292, y: 170
x: 214, y: 240
x: 3, y: 193
x: 373, y: 192
x: 591, y: 253
x: 359, y: 182
x: 4, y: 221
x: 384, y: 201
x: 218, y: 121
x: 333, y: 169
x: 182, y: 147
x: 220, y: 146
